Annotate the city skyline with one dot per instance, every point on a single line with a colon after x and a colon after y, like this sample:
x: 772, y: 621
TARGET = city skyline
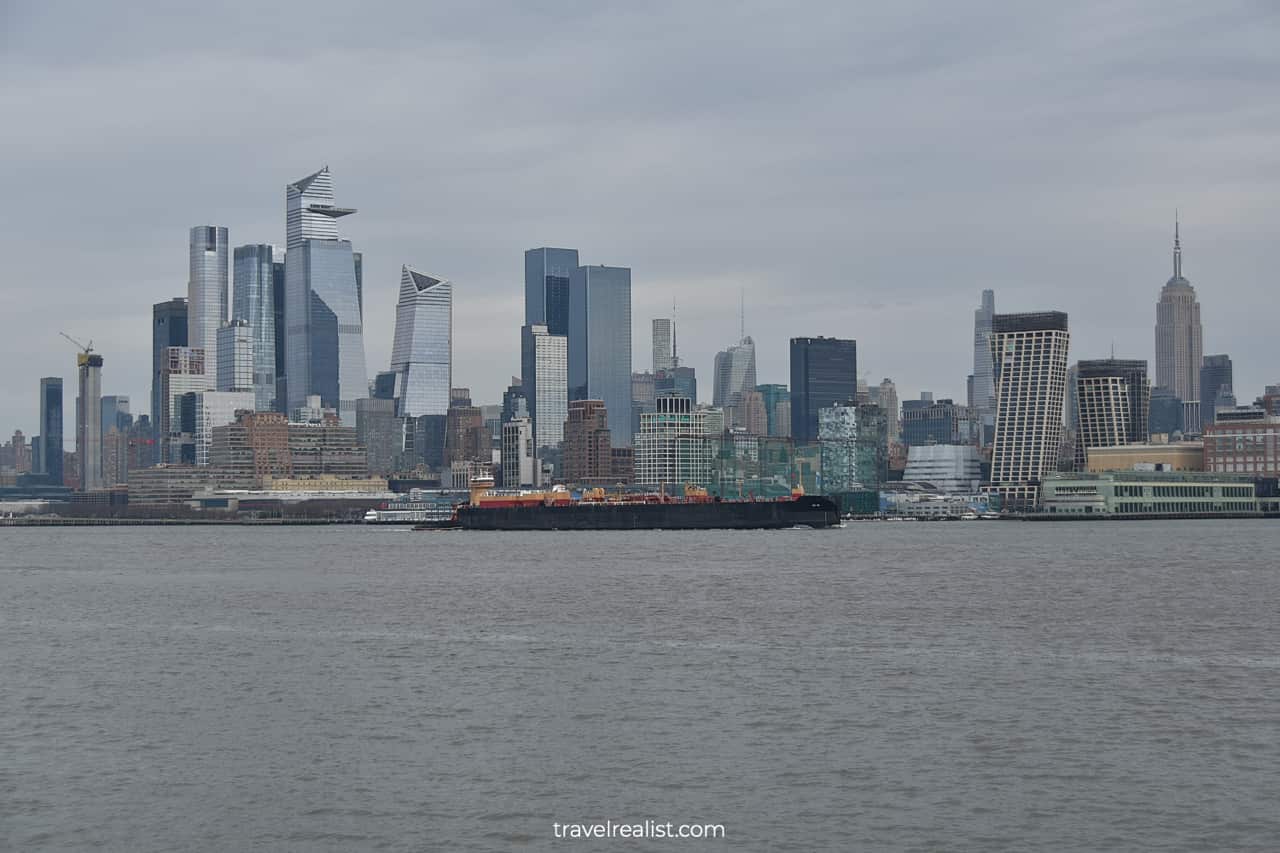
x: 923, y: 252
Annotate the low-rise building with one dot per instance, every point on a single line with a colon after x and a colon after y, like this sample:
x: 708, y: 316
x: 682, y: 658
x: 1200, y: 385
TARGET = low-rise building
x: 1148, y: 493
x: 1173, y: 456
x: 953, y: 468
x: 1243, y: 441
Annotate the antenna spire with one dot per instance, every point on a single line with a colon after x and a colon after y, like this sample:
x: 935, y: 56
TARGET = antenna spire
x: 742, y: 314
x: 675, y: 359
x: 1177, y: 247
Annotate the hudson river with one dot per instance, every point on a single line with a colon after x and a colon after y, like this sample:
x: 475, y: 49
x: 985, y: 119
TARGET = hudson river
x: 945, y: 686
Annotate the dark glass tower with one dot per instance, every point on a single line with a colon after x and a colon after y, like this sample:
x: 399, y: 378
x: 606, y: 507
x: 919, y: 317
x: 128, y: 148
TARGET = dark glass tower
x: 824, y: 371
x: 168, y: 329
x: 546, y: 288
x: 1215, y: 379
x: 51, y: 427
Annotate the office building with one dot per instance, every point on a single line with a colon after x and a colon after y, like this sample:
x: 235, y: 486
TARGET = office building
x: 383, y: 434
x: 983, y: 395
x: 51, y: 422
x: 1216, y: 388
x: 114, y: 414
x: 519, y: 462
x: 886, y: 397
x: 1113, y: 397
x: 772, y: 395
x: 942, y: 421
x: 89, y: 421
x: 546, y: 288
x: 676, y: 382
x: 235, y: 359
x: 422, y: 352
x: 950, y: 468
x: 663, y: 344
x: 673, y: 447
x: 324, y: 337
x: 182, y: 375
x: 1029, y: 352
x: 752, y: 417
x: 207, y: 294
x: 824, y: 371
x: 252, y: 450
x: 600, y: 342
x: 215, y: 409
x: 1179, y: 340
x: 854, y: 440
x: 255, y: 268
x: 588, y: 445
x: 1166, y: 415
x: 735, y: 372
x: 544, y: 369
x: 168, y: 329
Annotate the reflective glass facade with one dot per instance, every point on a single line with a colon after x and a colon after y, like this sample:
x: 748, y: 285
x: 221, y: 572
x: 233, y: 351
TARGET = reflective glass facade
x: 544, y: 369
x: 168, y: 329
x: 422, y: 352
x: 51, y: 427
x: 235, y: 358
x: 600, y: 343
x: 253, y: 300
x: 207, y: 292
x: 546, y: 288
x: 824, y: 371
x: 324, y: 332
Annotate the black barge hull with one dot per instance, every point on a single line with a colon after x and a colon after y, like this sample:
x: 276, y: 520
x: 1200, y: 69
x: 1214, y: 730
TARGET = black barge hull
x: 725, y: 515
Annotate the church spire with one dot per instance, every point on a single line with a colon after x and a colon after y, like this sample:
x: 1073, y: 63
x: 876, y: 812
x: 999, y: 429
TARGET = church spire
x: 1177, y: 248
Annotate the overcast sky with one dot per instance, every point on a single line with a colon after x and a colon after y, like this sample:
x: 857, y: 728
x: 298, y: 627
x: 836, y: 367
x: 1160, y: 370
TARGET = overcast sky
x: 858, y: 170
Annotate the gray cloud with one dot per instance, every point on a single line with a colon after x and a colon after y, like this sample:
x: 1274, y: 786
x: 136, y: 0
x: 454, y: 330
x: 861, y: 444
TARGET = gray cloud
x: 856, y: 170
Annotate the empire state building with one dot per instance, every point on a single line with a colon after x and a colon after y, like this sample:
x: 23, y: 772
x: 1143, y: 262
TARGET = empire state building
x: 1179, y: 346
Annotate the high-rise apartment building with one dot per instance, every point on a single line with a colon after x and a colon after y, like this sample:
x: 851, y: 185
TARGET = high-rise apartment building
x: 324, y: 315
x: 1029, y: 352
x: 519, y: 461
x: 663, y: 344
x: 544, y: 376
x: 182, y: 375
x: 422, y: 352
x: 51, y: 422
x: 207, y: 302
x: 168, y: 329
x: 1179, y: 340
x: 89, y: 421
x: 600, y: 342
x: 1113, y: 400
x: 1216, y: 386
x: 254, y: 270
x: 546, y: 288
x: 674, y: 447
x: 588, y: 444
x: 824, y: 371
x: 854, y: 442
x: 236, y: 359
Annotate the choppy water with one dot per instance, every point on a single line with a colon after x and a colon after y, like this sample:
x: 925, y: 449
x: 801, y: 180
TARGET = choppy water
x: 993, y: 686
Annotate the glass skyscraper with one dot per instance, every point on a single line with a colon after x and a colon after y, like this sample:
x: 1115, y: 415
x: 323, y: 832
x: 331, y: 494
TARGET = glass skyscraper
x: 324, y: 345
x: 207, y: 292
x: 51, y: 427
x: 422, y: 352
x: 824, y: 371
x: 1215, y: 383
x: 544, y: 370
x: 546, y: 288
x: 600, y: 343
x: 168, y: 329
x: 253, y: 300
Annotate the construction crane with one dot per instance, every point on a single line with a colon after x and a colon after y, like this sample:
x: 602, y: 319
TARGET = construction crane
x: 85, y: 348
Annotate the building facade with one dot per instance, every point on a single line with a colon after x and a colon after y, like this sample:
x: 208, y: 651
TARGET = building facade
x: 519, y: 462
x: 1179, y: 340
x: 1216, y: 387
x: 983, y: 395
x: 215, y: 409
x: 942, y: 421
x: 235, y: 359
x: 51, y: 423
x: 207, y: 294
x: 950, y: 468
x: 422, y: 352
x: 253, y: 301
x: 89, y: 421
x: 546, y: 288
x: 544, y: 368
x: 182, y: 375
x: 1166, y: 415
x: 854, y: 440
x: 663, y: 344
x: 735, y: 372
x: 672, y: 448
x: 1147, y: 493
x: 324, y: 325
x: 1112, y: 399
x: 1029, y: 352
x: 600, y: 342
x: 1243, y: 443
x: 588, y: 444
x: 168, y: 329
x: 824, y: 371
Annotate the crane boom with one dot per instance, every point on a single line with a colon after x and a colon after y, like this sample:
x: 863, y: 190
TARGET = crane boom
x: 85, y: 348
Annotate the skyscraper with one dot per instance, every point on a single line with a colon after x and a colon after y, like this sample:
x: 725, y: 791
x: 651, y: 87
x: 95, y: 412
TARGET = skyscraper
x: 253, y: 301
x: 1029, y: 355
x: 546, y: 288
x: 735, y: 372
x: 422, y: 352
x: 207, y: 302
x: 663, y: 344
x: 51, y: 428
x: 183, y: 374
x: 600, y: 343
x: 1113, y: 400
x: 115, y: 414
x: 774, y: 395
x: 983, y: 394
x: 236, y: 353
x: 824, y: 371
x: 544, y: 371
x: 1179, y: 344
x: 89, y: 421
x: 168, y: 329
x: 1215, y: 381
x: 324, y: 339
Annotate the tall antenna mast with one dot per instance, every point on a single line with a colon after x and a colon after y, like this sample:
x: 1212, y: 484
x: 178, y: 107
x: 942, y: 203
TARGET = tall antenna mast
x: 742, y: 314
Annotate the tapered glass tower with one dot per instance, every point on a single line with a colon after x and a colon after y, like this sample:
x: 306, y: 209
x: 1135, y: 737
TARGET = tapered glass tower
x: 422, y: 353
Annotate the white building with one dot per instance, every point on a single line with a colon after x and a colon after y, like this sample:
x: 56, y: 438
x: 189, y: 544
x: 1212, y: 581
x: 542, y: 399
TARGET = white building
x: 544, y: 371
x: 952, y: 468
x: 519, y: 462
x: 674, y: 444
x: 213, y: 409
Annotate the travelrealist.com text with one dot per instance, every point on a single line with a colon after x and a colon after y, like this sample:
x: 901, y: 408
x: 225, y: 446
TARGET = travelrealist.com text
x: 642, y: 829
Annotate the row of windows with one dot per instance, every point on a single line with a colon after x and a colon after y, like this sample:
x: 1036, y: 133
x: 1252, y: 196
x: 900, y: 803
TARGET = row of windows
x: 1185, y: 506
